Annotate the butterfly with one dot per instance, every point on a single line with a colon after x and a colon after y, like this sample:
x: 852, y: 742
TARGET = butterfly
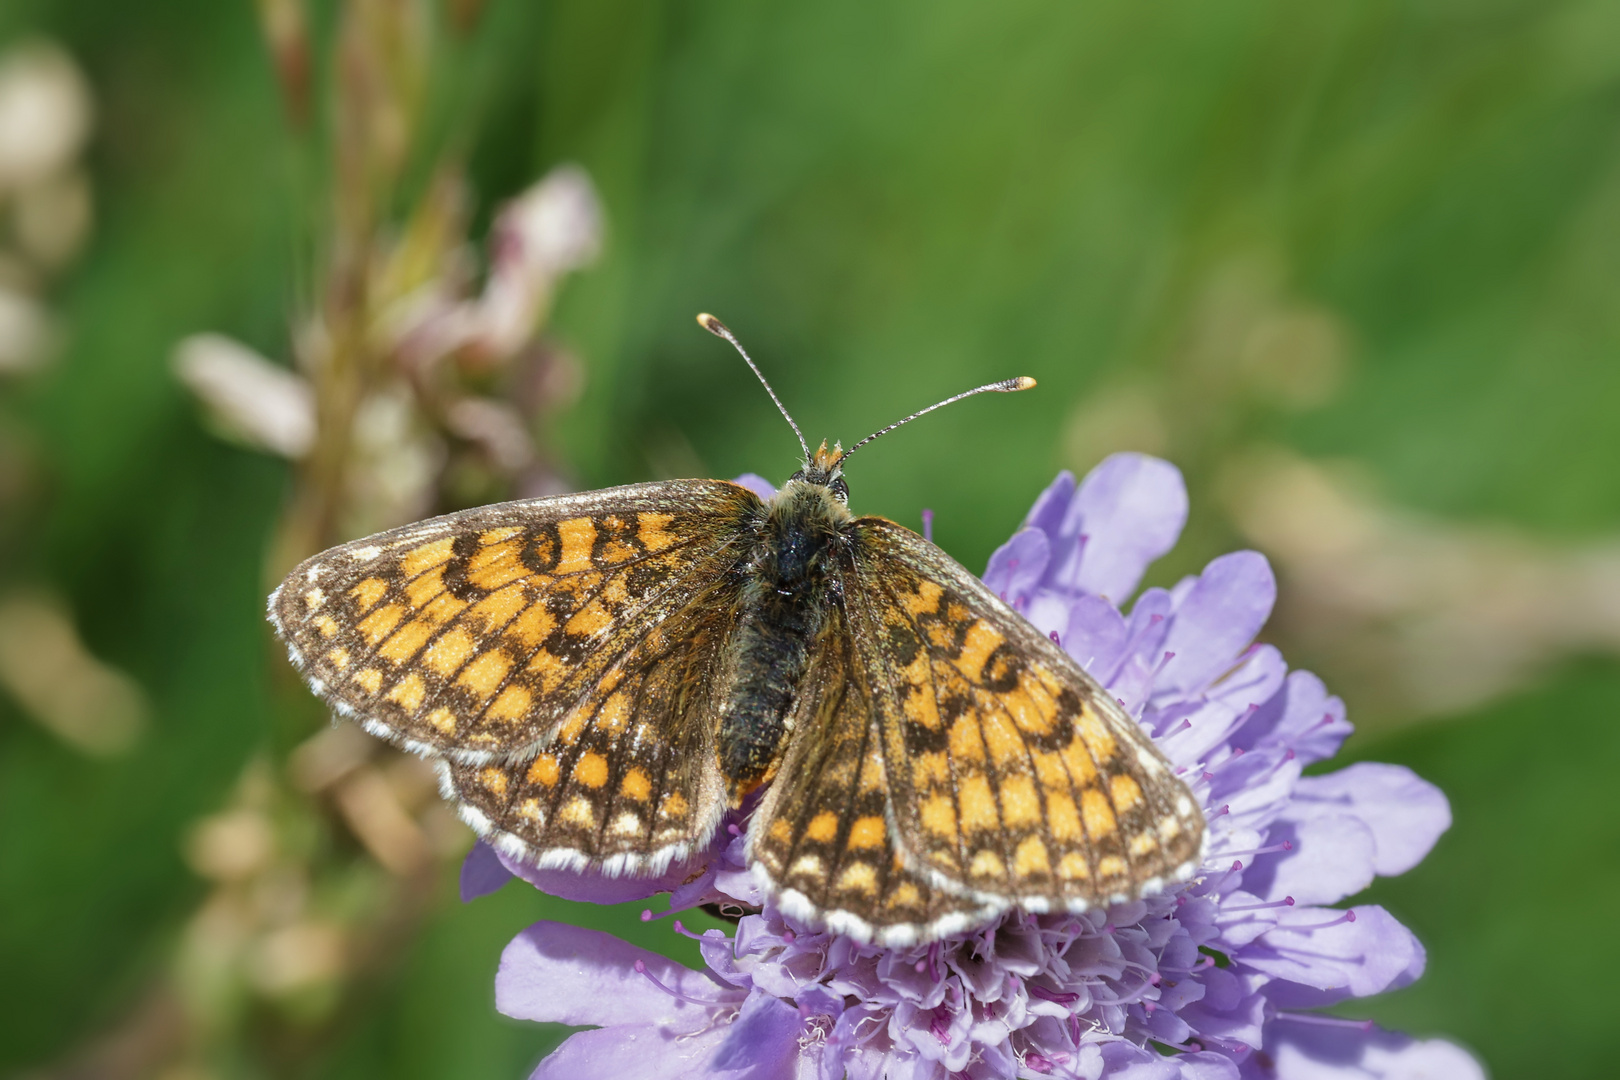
x: 603, y: 676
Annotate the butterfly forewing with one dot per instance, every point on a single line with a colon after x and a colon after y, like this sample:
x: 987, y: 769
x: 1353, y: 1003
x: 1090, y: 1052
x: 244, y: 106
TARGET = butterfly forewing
x: 823, y: 835
x: 474, y: 635
x: 630, y: 780
x: 1012, y: 776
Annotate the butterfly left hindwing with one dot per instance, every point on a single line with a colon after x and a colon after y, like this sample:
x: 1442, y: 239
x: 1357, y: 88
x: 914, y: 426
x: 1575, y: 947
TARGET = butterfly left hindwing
x: 630, y: 781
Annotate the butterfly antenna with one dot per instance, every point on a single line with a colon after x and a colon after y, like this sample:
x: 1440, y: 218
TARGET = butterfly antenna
x: 1005, y: 386
x: 719, y: 329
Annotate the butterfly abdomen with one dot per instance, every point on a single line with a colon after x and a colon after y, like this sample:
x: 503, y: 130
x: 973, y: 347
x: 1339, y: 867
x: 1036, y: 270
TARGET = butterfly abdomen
x: 784, y: 605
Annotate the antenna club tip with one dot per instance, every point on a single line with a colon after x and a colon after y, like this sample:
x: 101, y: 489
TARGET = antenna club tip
x: 712, y: 325
x: 1023, y: 382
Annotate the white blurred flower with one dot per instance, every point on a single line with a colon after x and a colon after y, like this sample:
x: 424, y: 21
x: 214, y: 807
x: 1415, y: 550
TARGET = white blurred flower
x: 496, y: 427
x: 557, y: 223
x: 25, y: 332
x: 1454, y: 614
x: 47, y: 669
x: 45, y: 113
x: 553, y: 228
x: 395, y: 462
x: 248, y: 397
x: 550, y: 230
x: 296, y: 957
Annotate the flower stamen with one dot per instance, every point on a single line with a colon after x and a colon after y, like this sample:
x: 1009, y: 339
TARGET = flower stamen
x: 1059, y: 997
x: 641, y: 969
x: 1347, y: 917
x: 1324, y: 1021
x: 1287, y: 901
x: 1215, y: 885
x: 1286, y: 845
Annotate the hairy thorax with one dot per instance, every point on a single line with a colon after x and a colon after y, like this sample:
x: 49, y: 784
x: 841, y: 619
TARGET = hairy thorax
x: 788, y: 596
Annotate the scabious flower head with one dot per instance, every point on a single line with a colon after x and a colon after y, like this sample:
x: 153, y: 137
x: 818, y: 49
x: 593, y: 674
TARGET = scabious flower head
x: 1218, y: 979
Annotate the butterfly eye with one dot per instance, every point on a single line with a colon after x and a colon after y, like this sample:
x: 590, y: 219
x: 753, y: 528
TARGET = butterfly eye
x: 796, y: 476
x: 839, y: 489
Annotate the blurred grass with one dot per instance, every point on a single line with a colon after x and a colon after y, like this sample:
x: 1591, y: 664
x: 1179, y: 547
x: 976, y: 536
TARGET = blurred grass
x: 888, y: 206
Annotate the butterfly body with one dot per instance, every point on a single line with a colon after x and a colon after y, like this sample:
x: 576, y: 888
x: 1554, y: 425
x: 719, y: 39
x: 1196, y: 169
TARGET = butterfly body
x: 788, y: 583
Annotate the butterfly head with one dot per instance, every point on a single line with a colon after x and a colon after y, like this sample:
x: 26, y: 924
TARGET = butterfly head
x: 824, y: 468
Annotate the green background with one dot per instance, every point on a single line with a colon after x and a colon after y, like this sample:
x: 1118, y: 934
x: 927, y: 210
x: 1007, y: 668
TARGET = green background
x: 888, y: 202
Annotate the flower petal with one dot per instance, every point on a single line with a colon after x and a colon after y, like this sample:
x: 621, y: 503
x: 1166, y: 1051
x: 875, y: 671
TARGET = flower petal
x: 1095, y: 635
x: 763, y: 1042
x: 1244, y: 689
x: 1220, y: 614
x: 1302, y: 718
x: 1016, y: 567
x: 1128, y: 511
x: 631, y: 1052
x: 1242, y: 1023
x: 482, y: 872
x: 565, y: 974
x: 1206, y: 1066
x: 1405, y: 813
x: 757, y: 484
x: 1127, y: 1061
x: 1333, y: 857
x: 1305, y: 1051
x: 1316, y: 948
x: 1052, y: 506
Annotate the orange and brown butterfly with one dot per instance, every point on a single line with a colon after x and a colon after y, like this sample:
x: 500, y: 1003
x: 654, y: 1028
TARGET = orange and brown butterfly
x: 603, y: 676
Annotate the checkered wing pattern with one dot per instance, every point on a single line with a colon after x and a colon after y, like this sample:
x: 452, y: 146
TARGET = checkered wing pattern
x: 630, y: 782
x: 823, y: 834
x: 479, y: 635
x: 1012, y: 776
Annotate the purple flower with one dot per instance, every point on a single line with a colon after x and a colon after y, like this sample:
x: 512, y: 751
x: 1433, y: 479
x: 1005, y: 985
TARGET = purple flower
x: 1217, y: 980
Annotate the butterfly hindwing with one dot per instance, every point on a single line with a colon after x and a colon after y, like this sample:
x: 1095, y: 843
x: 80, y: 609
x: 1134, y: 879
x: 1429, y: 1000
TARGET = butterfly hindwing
x: 1012, y: 775
x: 630, y: 780
x: 473, y: 635
x: 823, y: 836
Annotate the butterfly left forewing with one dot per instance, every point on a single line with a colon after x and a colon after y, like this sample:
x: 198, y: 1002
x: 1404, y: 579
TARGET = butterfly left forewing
x: 1013, y: 777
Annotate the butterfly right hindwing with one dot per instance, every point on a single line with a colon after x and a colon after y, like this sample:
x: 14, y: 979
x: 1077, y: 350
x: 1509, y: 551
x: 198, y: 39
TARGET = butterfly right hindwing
x: 823, y: 835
